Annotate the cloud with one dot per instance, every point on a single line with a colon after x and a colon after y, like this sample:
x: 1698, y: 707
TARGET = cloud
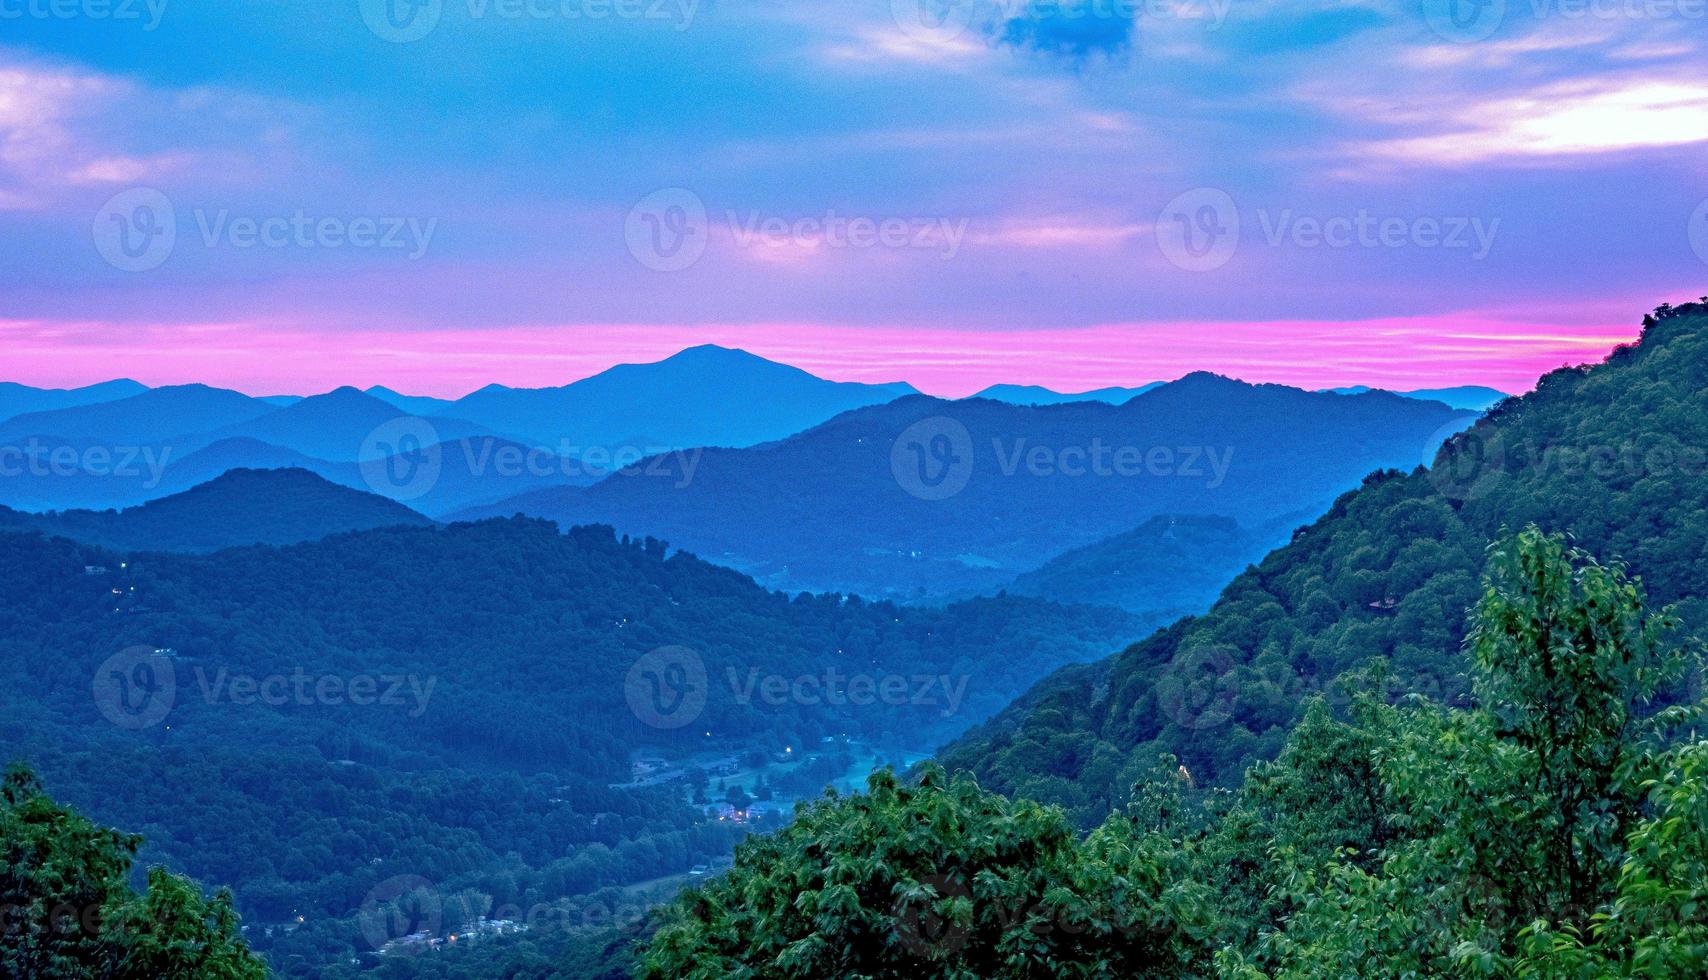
x: 1566, y: 119
x: 65, y: 130
x: 1073, y: 29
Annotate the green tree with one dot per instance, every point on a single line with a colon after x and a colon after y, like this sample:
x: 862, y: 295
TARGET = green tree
x: 69, y: 912
x: 1553, y: 830
x: 936, y: 879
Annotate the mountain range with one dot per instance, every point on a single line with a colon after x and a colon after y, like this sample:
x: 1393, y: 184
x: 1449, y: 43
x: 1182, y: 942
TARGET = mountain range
x: 1612, y: 455
x: 1039, y: 395
x: 1471, y: 397
x: 238, y: 507
x: 923, y: 497
x: 1475, y: 398
x: 17, y: 399
x: 124, y: 441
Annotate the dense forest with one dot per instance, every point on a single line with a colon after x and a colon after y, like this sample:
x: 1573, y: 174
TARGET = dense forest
x: 1616, y: 455
x: 1558, y: 828
x: 306, y: 723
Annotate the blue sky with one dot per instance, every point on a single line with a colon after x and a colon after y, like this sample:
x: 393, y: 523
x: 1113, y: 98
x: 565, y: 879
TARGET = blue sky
x: 1424, y: 192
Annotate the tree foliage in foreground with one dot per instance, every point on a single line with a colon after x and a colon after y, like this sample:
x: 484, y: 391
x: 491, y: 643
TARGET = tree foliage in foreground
x: 68, y: 911
x: 1558, y: 828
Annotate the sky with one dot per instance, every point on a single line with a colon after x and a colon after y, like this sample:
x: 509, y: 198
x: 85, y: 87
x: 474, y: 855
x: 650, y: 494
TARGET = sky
x: 290, y: 195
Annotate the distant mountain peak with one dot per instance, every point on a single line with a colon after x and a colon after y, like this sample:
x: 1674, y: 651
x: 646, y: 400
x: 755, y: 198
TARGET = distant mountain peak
x: 715, y: 350
x: 1211, y: 378
x: 346, y: 393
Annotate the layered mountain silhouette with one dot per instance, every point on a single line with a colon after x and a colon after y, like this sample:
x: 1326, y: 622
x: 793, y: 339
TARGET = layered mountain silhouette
x: 1612, y: 455
x: 17, y: 399
x: 924, y: 497
x: 703, y: 396
x: 155, y: 417
x: 1038, y: 395
x: 1476, y: 398
x: 240, y: 507
x: 121, y: 444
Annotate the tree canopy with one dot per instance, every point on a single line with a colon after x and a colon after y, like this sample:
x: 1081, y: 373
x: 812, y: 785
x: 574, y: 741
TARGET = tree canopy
x: 1555, y: 827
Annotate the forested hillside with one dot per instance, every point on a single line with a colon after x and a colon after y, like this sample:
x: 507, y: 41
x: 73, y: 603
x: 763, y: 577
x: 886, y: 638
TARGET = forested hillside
x: 1555, y: 830
x: 461, y: 704
x: 1616, y: 455
x: 1169, y: 567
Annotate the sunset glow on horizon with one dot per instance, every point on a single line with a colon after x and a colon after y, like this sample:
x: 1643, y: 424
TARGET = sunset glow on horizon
x: 1501, y: 354
x: 1053, y: 200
